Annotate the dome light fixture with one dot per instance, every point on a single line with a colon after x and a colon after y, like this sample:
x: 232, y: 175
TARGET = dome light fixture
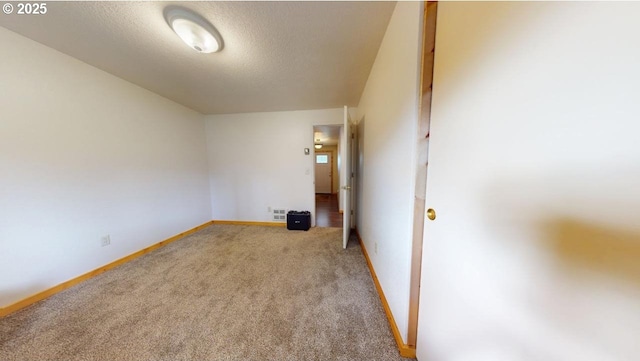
x: 317, y: 146
x: 193, y: 29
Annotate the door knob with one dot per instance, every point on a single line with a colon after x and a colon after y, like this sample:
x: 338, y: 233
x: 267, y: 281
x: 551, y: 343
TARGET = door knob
x: 346, y: 187
x: 431, y: 214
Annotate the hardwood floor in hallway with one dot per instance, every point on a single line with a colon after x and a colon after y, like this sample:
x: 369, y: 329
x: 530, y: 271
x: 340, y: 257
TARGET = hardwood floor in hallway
x: 327, y: 211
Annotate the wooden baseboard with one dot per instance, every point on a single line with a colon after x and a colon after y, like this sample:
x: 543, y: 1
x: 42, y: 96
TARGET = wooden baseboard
x: 251, y: 223
x: 72, y: 282
x: 405, y: 350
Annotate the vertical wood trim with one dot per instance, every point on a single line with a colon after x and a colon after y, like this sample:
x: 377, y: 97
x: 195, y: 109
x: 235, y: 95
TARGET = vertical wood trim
x: 424, y: 112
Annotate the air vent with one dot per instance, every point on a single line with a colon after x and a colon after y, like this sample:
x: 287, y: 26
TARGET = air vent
x: 280, y: 215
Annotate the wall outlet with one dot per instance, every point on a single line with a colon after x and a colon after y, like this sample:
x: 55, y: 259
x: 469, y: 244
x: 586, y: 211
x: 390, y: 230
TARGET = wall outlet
x: 269, y: 209
x: 105, y: 241
x: 375, y: 247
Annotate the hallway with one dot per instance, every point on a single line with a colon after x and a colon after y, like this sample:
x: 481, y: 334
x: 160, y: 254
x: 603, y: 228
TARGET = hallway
x: 327, y: 211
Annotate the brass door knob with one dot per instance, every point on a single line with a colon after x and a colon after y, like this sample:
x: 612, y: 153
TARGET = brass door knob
x: 431, y: 214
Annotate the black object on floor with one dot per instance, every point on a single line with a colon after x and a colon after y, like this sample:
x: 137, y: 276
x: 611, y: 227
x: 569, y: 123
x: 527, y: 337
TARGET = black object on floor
x: 299, y: 221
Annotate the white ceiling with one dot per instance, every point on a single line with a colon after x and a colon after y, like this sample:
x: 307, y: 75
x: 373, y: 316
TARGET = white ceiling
x: 276, y: 56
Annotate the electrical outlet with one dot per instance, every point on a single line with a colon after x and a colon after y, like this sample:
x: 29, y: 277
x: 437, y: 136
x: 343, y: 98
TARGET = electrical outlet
x: 105, y: 241
x: 375, y: 248
x: 269, y: 209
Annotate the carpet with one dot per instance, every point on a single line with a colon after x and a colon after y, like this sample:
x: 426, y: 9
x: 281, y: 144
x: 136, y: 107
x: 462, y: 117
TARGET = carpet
x: 224, y: 293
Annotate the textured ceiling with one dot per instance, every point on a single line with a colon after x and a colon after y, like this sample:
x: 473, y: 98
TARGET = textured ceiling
x: 277, y: 55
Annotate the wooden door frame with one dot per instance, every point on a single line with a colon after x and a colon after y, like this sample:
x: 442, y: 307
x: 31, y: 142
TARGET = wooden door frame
x: 424, y: 112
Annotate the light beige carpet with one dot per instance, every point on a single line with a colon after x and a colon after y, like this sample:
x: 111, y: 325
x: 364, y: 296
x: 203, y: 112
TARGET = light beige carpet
x: 224, y: 293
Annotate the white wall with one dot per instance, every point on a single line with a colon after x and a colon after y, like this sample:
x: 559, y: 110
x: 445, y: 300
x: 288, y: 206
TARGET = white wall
x: 534, y: 169
x: 84, y: 154
x: 389, y: 108
x: 257, y: 160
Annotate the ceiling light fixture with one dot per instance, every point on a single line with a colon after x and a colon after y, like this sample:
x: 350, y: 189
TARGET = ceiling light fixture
x: 317, y: 146
x: 193, y: 29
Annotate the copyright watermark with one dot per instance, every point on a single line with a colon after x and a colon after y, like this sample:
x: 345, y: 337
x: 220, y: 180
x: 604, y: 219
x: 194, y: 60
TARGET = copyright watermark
x: 7, y: 8
x: 25, y: 8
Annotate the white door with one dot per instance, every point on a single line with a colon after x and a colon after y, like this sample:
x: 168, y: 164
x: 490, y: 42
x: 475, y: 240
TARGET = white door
x: 533, y: 173
x: 322, y: 169
x: 346, y: 188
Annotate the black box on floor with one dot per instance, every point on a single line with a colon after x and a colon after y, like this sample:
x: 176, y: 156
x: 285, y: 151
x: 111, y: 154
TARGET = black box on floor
x: 299, y: 221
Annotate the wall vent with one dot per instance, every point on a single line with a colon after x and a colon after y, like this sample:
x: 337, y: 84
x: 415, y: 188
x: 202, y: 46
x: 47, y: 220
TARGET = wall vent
x: 280, y: 215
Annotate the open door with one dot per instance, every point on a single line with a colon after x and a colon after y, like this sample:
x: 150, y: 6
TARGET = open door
x: 534, y: 251
x: 346, y: 188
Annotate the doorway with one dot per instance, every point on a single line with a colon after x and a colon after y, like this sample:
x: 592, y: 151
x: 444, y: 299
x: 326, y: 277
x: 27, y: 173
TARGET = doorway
x: 327, y: 212
x: 327, y: 175
x: 323, y: 167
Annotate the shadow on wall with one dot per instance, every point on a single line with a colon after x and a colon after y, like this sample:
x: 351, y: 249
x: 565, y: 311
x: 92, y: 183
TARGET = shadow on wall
x: 583, y: 219
x: 563, y: 250
x: 613, y: 251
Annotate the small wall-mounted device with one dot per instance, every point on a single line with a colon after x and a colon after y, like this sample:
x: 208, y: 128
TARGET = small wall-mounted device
x: 306, y: 151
